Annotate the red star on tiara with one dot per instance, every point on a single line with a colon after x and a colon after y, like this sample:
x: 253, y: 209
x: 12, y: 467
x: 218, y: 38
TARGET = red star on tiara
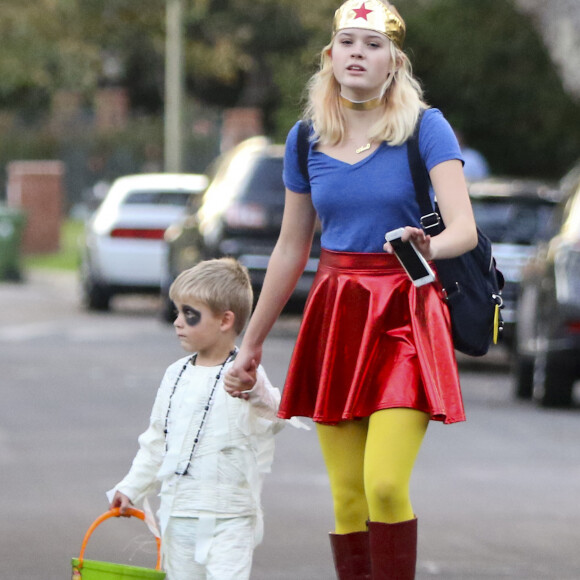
x: 362, y: 12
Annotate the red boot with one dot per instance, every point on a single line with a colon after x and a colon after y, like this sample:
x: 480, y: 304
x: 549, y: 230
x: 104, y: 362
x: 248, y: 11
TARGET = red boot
x: 393, y: 550
x: 351, y: 555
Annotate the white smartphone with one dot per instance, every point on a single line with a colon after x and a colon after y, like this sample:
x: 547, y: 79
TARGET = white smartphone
x: 414, y: 263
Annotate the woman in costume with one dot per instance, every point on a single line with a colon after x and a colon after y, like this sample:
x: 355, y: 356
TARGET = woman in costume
x: 374, y: 360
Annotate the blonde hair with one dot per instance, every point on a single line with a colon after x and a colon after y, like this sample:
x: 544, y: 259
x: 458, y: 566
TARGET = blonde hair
x: 222, y: 284
x: 402, y: 97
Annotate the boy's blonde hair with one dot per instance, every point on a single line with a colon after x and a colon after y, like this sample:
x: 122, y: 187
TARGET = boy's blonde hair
x: 222, y: 284
x: 402, y: 96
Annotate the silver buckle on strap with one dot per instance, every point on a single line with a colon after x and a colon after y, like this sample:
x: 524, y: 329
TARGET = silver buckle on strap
x: 431, y: 220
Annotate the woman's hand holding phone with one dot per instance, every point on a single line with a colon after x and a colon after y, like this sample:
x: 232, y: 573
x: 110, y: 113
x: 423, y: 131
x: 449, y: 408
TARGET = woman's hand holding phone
x: 420, y: 239
x: 402, y: 243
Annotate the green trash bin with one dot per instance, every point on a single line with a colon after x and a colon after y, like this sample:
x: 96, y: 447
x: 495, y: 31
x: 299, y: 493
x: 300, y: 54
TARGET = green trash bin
x: 12, y: 223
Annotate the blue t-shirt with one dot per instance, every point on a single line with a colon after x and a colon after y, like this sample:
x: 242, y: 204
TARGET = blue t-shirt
x: 357, y: 204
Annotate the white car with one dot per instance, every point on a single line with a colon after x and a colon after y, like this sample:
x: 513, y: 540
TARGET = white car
x: 124, y: 250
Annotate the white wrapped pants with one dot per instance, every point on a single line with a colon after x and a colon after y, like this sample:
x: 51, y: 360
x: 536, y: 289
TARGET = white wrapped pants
x: 229, y: 556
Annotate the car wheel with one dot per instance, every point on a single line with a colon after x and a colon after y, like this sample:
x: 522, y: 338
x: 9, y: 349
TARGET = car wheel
x: 554, y: 376
x: 523, y: 374
x: 96, y: 296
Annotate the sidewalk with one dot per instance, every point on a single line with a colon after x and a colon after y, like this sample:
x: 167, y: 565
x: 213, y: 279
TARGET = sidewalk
x: 42, y: 295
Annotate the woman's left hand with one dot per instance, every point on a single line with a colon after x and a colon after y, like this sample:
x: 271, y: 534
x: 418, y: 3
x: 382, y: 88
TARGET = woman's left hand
x: 416, y: 235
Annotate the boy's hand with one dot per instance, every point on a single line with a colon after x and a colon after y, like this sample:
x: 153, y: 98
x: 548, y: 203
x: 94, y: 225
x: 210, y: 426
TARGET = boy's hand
x: 238, y: 381
x: 121, y: 501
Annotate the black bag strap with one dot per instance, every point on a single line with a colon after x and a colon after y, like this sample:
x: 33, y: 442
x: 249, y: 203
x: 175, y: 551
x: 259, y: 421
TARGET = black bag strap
x: 303, y: 147
x: 430, y: 219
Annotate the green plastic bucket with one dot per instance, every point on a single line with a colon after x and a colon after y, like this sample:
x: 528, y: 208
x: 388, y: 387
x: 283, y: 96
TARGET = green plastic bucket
x: 94, y: 570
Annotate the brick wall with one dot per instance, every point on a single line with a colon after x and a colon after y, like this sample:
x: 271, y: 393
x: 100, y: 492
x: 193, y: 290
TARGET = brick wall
x: 36, y: 188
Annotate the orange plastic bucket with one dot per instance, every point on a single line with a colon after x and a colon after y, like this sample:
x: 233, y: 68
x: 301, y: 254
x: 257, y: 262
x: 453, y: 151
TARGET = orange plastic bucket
x: 93, y: 570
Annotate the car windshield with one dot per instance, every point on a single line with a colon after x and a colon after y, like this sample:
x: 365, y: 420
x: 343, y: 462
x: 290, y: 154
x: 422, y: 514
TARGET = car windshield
x: 266, y: 184
x: 509, y: 221
x: 179, y: 198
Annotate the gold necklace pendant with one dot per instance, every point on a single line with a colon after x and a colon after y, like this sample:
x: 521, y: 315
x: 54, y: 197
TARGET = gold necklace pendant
x: 363, y: 148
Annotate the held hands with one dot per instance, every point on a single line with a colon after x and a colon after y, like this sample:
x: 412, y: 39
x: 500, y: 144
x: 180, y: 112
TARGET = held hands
x: 241, y: 377
x: 421, y: 241
x: 121, y: 501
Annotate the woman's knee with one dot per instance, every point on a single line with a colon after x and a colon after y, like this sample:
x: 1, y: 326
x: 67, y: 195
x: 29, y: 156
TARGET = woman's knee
x: 387, y: 491
x: 349, y: 500
x: 350, y: 515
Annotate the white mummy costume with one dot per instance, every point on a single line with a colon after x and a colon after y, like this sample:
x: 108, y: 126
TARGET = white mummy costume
x: 209, y: 452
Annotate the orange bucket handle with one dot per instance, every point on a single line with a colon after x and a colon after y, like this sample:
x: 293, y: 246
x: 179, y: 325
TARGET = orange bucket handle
x: 115, y: 513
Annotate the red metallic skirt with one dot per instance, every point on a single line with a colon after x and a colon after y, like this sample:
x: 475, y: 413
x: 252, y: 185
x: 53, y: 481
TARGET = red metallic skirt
x: 371, y: 340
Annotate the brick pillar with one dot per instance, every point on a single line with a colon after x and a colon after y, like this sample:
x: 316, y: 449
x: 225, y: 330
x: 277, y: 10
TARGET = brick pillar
x: 66, y: 112
x: 111, y: 109
x: 238, y: 124
x: 36, y: 188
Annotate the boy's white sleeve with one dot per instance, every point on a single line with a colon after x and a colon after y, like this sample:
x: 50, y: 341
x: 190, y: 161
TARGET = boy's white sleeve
x: 264, y: 398
x: 141, y: 479
x: 264, y: 402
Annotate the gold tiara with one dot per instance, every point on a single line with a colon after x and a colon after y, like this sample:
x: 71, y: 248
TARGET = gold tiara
x: 371, y: 15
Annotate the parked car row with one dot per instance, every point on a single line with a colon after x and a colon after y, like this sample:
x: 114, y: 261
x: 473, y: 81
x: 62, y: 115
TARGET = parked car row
x: 547, y: 349
x: 516, y: 214
x: 240, y: 216
x: 151, y: 227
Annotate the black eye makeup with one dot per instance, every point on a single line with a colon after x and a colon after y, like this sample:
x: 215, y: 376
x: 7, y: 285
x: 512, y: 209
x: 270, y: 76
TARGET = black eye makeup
x: 191, y: 315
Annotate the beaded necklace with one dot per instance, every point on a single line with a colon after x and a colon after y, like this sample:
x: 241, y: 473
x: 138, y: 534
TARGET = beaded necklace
x: 192, y: 360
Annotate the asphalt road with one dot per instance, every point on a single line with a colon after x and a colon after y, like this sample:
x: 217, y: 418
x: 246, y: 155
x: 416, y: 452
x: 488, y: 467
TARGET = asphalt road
x: 496, y: 497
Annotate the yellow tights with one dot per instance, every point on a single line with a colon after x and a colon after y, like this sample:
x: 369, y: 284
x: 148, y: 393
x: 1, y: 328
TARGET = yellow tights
x: 369, y: 463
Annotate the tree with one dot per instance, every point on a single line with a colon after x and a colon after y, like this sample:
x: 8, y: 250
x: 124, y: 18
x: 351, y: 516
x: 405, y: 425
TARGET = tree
x: 50, y: 45
x: 36, y: 57
x: 485, y: 66
x: 482, y: 63
x: 234, y: 48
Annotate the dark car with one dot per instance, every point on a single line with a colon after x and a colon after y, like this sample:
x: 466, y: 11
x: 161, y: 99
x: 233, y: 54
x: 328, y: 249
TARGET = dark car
x: 548, y: 336
x: 516, y: 215
x: 240, y: 216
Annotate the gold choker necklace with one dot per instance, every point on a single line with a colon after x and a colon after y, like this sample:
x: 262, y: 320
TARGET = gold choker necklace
x: 360, y: 105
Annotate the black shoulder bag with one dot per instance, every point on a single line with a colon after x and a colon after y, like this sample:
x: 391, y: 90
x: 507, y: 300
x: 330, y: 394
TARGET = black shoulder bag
x: 471, y: 282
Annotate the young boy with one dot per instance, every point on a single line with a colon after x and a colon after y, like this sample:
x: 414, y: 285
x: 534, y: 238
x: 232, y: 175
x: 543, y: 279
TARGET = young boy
x: 209, y: 450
